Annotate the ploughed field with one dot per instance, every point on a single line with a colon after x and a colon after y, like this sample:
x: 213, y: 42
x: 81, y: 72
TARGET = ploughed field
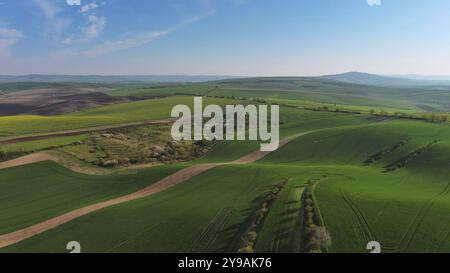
x: 56, y: 100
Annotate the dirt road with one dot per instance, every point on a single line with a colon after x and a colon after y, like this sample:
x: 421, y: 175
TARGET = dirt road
x: 25, y: 160
x: 82, y: 131
x: 166, y: 183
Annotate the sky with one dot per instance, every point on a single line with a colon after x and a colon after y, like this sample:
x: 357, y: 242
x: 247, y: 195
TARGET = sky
x: 224, y: 37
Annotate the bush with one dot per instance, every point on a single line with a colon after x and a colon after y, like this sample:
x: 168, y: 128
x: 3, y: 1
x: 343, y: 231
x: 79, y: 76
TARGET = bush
x: 252, y: 235
x: 319, y: 238
x: 247, y: 249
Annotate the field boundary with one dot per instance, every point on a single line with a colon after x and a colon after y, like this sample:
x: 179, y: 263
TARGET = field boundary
x: 164, y: 184
x: 81, y: 131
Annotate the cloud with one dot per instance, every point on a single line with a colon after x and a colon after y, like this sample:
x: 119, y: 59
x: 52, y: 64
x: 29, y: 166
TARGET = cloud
x: 200, y: 17
x: 10, y: 33
x: 117, y: 45
x: 88, y: 7
x: 50, y: 9
x: 374, y: 2
x: 8, y: 38
x: 73, y: 2
x: 95, y: 27
x: 47, y: 7
x: 139, y: 39
x: 91, y: 6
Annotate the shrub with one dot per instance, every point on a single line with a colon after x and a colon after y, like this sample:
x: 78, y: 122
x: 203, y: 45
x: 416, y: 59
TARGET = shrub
x: 319, y: 238
x: 247, y: 249
x: 252, y: 235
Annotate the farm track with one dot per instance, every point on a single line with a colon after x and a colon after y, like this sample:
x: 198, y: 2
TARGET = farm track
x: 444, y: 238
x: 366, y: 230
x: 28, y: 159
x: 164, y: 184
x: 216, y: 225
x: 81, y: 131
x: 59, y: 158
x: 407, y: 238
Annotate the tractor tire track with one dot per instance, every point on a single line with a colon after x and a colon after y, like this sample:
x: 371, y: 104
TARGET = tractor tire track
x: 407, y: 238
x: 363, y: 223
x: 164, y: 184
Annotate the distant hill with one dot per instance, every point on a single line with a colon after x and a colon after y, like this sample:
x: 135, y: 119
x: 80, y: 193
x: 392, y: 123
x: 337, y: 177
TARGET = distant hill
x: 379, y: 80
x: 110, y: 79
x: 424, y: 77
x: 369, y: 90
x: 376, y: 80
x: 358, y: 78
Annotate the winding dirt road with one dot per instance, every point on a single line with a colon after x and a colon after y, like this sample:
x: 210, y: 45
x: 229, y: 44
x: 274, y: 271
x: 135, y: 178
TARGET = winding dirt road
x: 164, y: 184
x: 25, y: 160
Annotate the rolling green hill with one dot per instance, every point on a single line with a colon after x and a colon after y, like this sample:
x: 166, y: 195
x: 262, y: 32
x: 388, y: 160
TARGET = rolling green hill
x: 205, y: 214
x: 146, y: 110
x: 407, y: 96
x: 403, y: 209
x: 34, y: 193
x: 386, y: 179
x: 335, y: 92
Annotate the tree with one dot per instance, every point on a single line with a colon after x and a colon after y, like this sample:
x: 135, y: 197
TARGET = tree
x: 251, y: 236
x: 319, y: 238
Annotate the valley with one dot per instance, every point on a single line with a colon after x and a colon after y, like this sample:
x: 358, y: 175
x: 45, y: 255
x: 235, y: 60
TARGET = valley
x: 112, y: 178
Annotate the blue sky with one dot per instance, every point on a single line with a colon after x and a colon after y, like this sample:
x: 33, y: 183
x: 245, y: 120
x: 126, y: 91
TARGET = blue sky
x: 224, y: 37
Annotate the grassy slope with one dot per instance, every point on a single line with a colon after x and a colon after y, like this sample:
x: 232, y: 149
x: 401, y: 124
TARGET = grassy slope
x: 38, y: 145
x: 107, y: 115
x: 326, y: 91
x: 31, y: 194
x: 206, y: 213
x: 20, y: 86
x: 405, y: 210
x: 310, y: 120
x: 163, y: 91
x: 293, y: 121
x: 294, y: 89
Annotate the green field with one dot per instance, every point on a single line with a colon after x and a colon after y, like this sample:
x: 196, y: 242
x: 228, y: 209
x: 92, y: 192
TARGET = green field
x: 38, y: 145
x: 334, y: 92
x: 209, y: 212
x: 108, y: 115
x: 20, y: 86
x: 315, y: 90
x: 201, y: 215
x: 164, y: 91
x: 386, y: 179
x: 34, y: 193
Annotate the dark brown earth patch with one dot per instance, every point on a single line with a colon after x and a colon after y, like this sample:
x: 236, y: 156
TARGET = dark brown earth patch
x: 57, y: 101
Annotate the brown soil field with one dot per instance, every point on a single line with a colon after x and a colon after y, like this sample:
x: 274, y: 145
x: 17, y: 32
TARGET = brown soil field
x: 56, y: 101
